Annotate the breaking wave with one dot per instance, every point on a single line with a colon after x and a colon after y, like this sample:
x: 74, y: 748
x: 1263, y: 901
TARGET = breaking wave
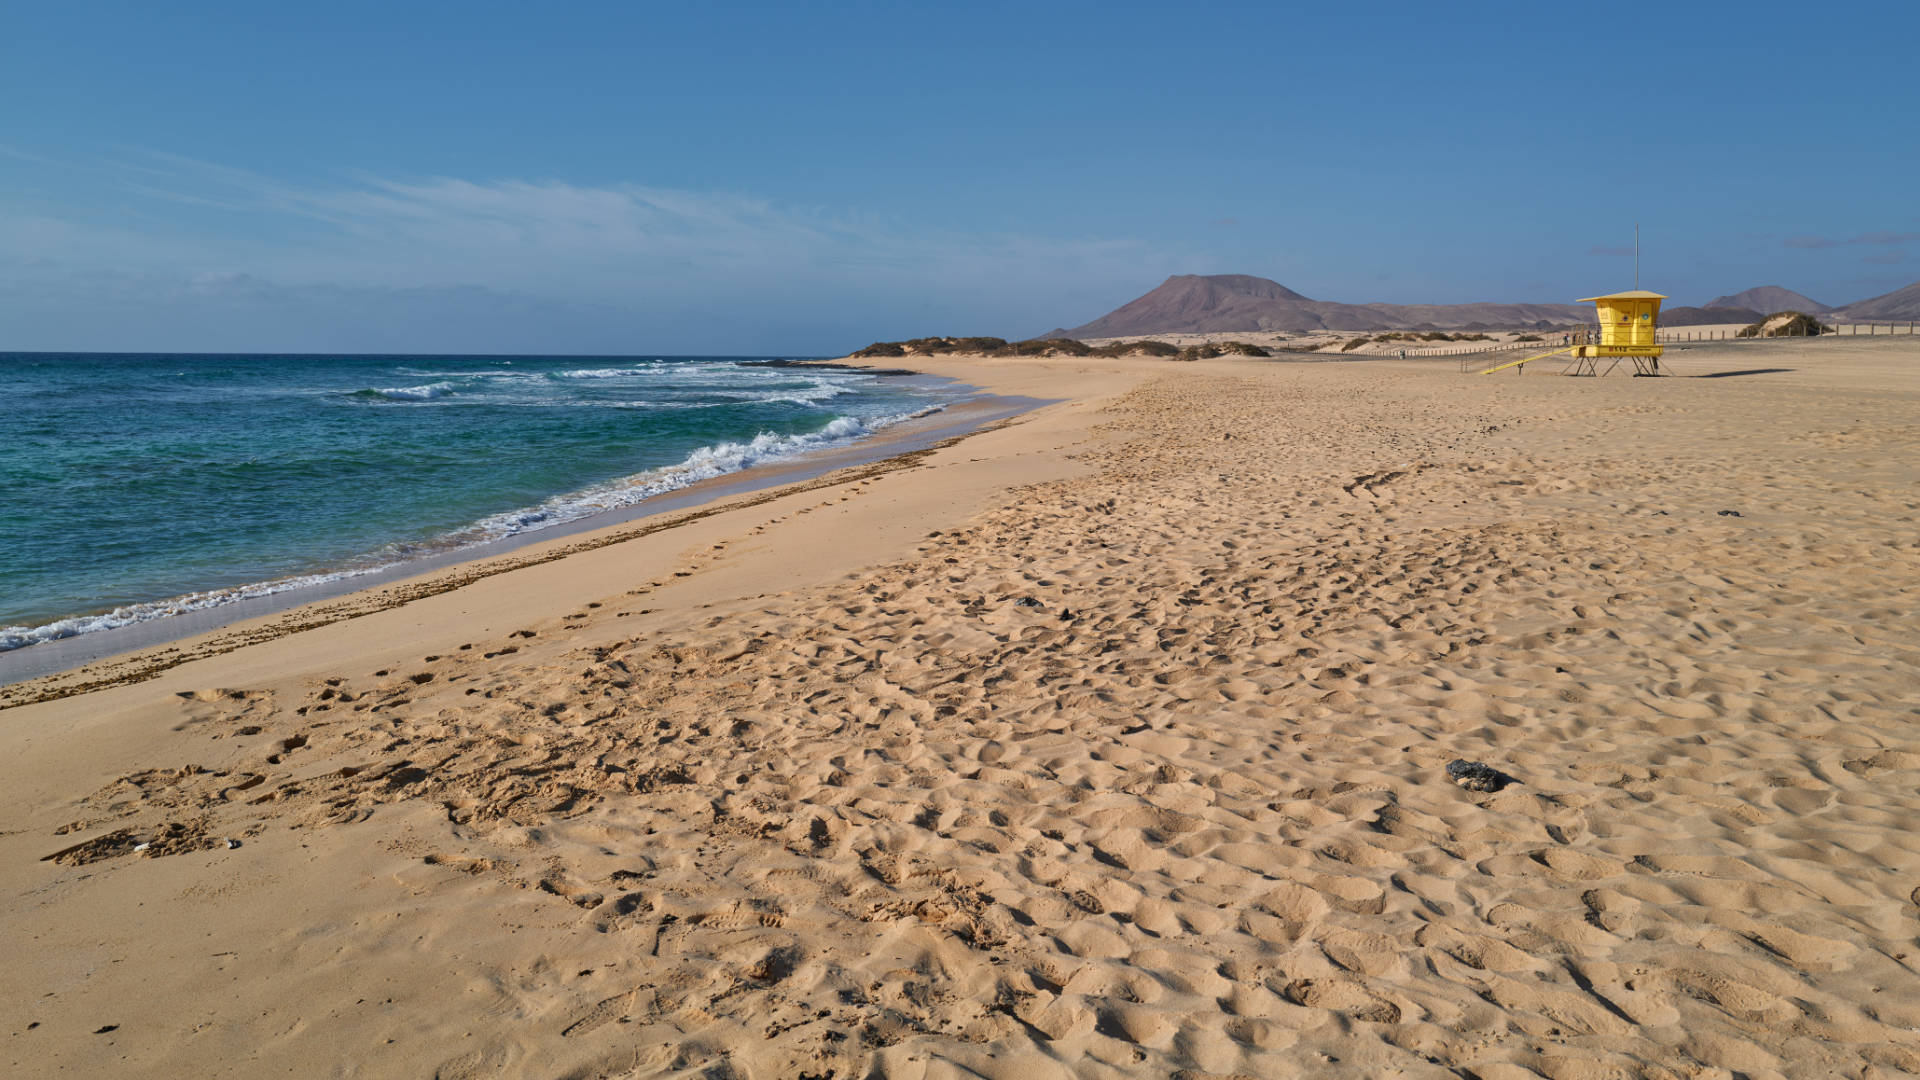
x: 705, y: 463
x: 427, y: 392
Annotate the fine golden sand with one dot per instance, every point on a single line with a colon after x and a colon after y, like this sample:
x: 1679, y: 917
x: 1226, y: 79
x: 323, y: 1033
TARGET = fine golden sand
x: 1110, y: 742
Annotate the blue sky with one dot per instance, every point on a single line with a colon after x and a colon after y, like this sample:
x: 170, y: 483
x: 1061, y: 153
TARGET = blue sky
x: 805, y: 178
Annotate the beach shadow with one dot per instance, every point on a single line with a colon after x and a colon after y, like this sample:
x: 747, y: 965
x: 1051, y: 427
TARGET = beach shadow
x: 1749, y: 371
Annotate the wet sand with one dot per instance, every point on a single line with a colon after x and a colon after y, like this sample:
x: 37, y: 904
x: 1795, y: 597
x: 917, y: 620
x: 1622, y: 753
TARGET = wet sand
x: 1108, y: 742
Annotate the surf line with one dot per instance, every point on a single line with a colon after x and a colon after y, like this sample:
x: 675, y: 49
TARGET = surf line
x: 146, y: 665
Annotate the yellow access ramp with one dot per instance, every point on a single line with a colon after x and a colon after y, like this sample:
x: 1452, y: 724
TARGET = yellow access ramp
x: 1528, y: 360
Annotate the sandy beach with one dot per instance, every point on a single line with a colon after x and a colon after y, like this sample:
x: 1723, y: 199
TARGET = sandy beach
x: 1108, y: 740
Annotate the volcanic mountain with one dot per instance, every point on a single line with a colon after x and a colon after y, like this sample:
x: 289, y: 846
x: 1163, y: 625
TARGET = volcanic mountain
x: 1194, y: 303
x: 1708, y: 316
x: 1900, y: 305
x: 1769, y: 299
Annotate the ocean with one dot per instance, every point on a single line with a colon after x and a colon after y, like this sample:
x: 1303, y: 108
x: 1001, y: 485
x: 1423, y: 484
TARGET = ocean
x: 133, y: 487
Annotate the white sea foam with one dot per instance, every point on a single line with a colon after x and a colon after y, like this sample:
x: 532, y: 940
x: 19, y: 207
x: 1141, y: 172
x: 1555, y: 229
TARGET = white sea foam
x: 705, y: 463
x: 427, y: 392
x: 798, y: 395
x: 612, y: 373
x: 17, y: 637
x: 819, y: 391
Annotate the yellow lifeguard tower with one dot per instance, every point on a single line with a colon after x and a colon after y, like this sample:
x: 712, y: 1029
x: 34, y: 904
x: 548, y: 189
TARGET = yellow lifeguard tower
x: 1627, y: 324
x: 1626, y: 331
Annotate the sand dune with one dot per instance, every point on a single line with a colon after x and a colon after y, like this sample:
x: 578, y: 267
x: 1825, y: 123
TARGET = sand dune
x: 1112, y: 743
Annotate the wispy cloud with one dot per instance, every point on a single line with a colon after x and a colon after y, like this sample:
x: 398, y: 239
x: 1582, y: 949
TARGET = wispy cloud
x: 1886, y: 258
x: 1883, y: 237
x: 200, y: 231
x: 1886, y: 238
x: 519, y: 227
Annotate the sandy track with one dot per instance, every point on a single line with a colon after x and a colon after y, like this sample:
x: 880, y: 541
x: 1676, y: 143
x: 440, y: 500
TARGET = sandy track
x: 1140, y: 771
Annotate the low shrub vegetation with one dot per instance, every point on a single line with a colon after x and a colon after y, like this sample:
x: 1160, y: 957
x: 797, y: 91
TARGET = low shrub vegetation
x: 993, y: 346
x: 1211, y: 349
x: 934, y: 346
x: 1045, y: 347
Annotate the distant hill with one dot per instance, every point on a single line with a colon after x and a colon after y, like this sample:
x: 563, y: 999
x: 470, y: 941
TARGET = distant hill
x: 1242, y: 303
x: 1768, y: 299
x: 1708, y: 316
x: 1900, y: 305
x: 1194, y: 303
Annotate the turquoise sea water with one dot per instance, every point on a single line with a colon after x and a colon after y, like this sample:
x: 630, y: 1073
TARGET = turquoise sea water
x: 135, y: 486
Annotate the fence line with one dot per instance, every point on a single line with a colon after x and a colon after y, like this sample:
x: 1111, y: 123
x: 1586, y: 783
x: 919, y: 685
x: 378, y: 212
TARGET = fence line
x: 1681, y: 336
x: 1676, y: 336
x: 1588, y: 335
x: 1665, y: 337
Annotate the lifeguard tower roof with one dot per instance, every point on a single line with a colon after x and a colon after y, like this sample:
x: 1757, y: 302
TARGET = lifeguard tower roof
x: 1637, y: 294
